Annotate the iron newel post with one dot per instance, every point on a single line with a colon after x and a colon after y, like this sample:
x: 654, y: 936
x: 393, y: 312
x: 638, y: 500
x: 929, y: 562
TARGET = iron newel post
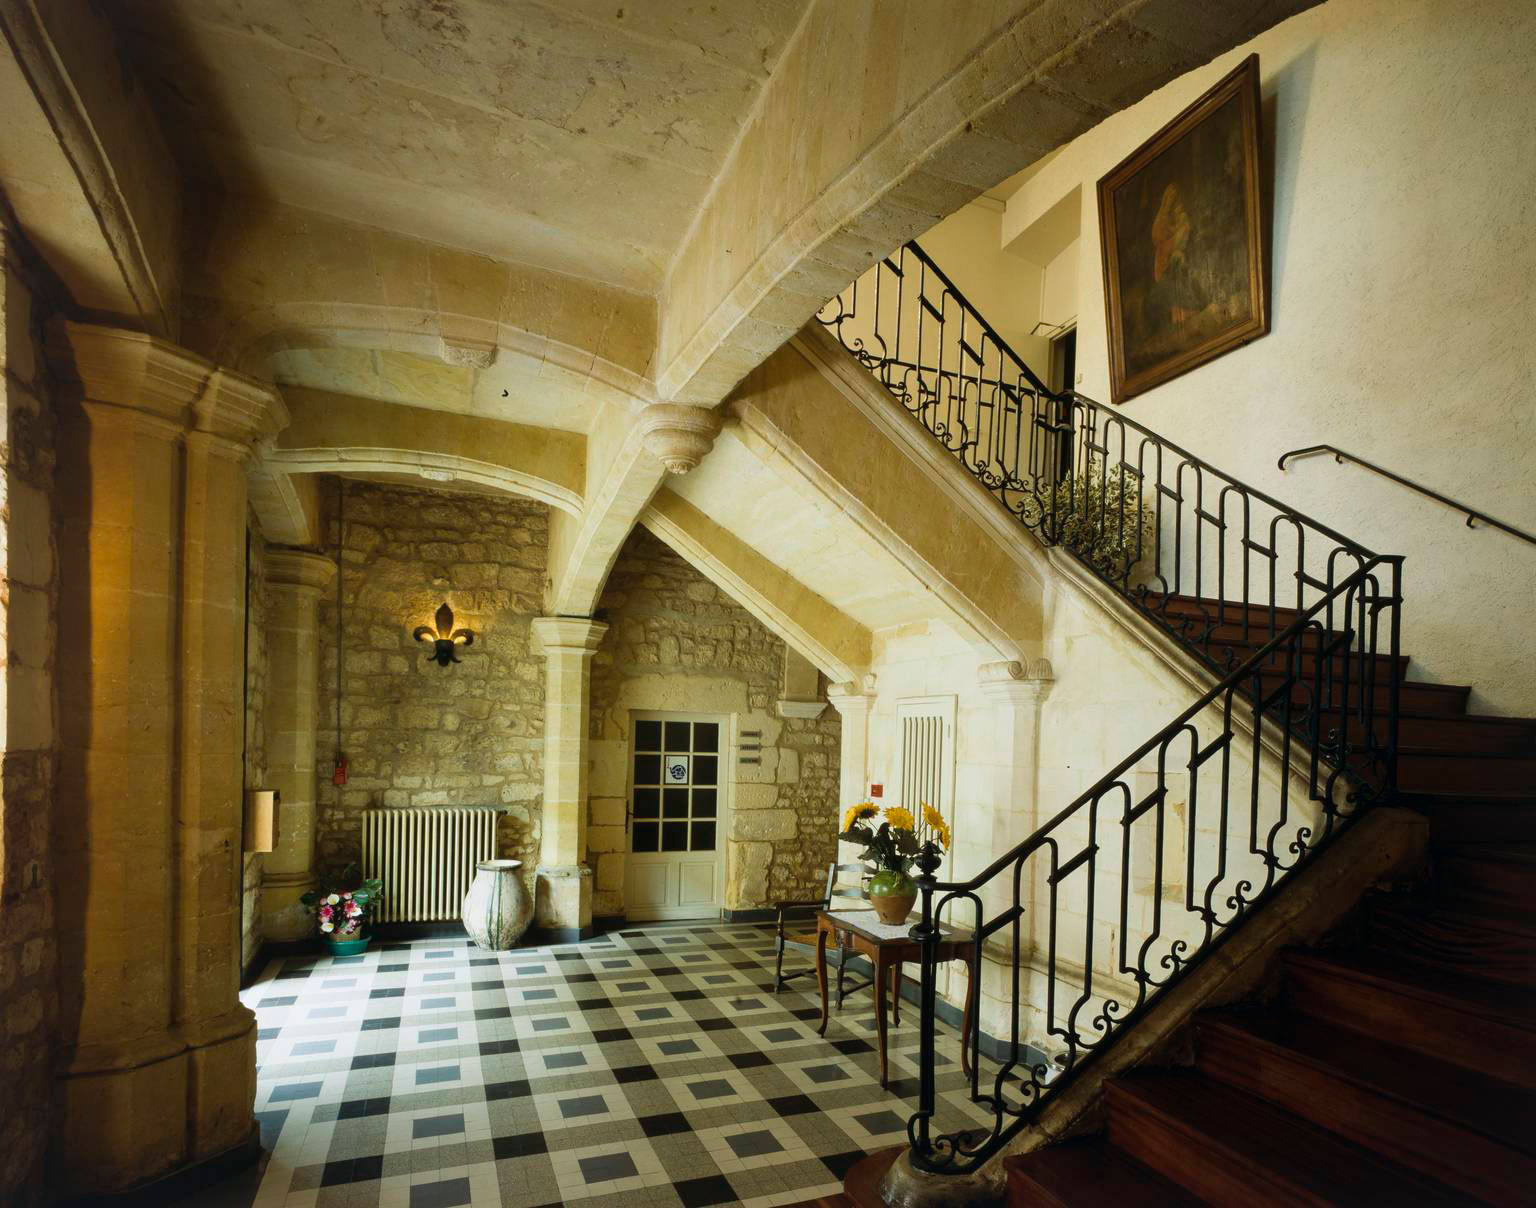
x: 926, y: 933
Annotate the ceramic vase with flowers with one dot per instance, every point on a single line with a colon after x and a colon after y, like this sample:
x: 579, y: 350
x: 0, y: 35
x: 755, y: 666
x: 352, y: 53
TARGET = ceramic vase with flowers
x: 342, y: 912
x: 891, y: 842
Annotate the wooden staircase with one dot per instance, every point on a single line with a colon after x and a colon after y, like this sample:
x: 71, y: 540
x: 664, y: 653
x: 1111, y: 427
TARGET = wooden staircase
x: 1398, y: 1066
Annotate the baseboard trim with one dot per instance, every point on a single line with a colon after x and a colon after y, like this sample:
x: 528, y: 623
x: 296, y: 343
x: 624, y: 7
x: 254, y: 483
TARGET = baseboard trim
x: 600, y: 925
x: 757, y: 915
x: 395, y: 932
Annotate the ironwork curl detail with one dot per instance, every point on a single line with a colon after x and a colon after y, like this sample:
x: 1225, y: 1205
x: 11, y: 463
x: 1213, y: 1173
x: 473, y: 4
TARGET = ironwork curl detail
x: 1178, y: 843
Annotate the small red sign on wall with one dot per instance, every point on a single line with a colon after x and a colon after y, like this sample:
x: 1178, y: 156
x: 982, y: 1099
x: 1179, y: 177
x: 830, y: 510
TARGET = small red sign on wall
x: 877, y: 790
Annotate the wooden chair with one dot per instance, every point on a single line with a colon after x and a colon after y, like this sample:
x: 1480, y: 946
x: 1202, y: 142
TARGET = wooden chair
x: 797, y: 930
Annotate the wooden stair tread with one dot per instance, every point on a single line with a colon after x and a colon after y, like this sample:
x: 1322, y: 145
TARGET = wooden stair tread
x: 1501, y: 853
x: 1465, y: 734
x: 1086, y: 1173
x: 1475, y: 1101
x: 1507, y: 1005
x: 1442, y: 936
x: 1208, y: 606
x: 1512, y: 757
x: 1453, y: 912
x: 1279, y: 1157
x: 1428, y: 699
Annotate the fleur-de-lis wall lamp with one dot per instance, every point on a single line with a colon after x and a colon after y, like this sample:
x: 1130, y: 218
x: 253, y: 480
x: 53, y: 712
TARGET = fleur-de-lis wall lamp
x: 445, y: 637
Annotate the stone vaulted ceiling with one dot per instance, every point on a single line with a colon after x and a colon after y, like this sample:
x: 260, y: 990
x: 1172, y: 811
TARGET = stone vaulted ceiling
x: 580, y: 136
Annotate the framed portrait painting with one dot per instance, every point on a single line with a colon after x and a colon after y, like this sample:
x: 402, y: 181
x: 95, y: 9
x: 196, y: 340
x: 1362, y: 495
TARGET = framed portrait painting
x: 1180, y: 223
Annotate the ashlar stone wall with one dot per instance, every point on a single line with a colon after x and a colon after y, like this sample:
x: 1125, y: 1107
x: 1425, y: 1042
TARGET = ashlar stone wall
x: 472, y: 734
x: 675, y: 643
x: 29, y: 608
x: 257, y: 611
x: 417, y: 734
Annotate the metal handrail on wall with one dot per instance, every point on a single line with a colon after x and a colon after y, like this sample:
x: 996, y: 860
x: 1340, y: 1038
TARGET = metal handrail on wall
x: 1183, y: 837
x: 1472, y: 514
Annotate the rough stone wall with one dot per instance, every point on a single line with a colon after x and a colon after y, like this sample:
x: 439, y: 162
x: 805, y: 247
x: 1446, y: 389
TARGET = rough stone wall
x: 257, y: 611
x: 415, y: 733
x: 29, y: 605
x: 677, y: 644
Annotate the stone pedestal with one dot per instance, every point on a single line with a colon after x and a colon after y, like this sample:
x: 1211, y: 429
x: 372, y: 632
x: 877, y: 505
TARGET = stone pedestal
x: 563, y: 897
x: 295, y: 579
x: 157, y: 1062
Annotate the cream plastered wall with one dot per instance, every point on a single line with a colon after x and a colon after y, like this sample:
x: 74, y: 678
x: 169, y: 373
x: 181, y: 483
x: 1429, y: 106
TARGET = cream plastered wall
x: 965, y: 246
x: 1401, y: 285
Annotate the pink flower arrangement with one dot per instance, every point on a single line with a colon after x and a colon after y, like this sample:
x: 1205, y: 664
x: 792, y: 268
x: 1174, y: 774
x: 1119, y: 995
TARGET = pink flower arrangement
x: 341, y: 914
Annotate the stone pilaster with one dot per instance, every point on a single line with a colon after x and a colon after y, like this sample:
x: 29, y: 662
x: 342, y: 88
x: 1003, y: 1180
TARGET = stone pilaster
x: 853, y: 702
x: 158, y: 1054
x: 563, y: 899
x: 1017, y: 690
x: 295, y: 579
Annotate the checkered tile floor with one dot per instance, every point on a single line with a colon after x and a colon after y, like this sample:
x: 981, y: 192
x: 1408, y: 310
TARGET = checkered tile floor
x: 655, y: 1064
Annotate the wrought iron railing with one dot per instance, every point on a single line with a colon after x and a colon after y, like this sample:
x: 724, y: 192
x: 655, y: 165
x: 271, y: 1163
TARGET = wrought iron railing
x: 1299, y: 623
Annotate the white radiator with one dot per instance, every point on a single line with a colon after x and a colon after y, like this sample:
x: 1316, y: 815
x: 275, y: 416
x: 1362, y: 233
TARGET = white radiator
x: 426, y: 858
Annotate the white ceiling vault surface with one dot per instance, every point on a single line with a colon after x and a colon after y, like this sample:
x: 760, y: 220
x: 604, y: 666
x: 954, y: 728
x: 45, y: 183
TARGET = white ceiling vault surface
x: 580, y: 136
x: 807, y: 534
x: 515, y: 387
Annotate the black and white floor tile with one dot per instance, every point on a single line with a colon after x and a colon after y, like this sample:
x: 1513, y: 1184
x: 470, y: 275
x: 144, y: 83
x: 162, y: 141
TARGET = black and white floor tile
x: 652, y: 1063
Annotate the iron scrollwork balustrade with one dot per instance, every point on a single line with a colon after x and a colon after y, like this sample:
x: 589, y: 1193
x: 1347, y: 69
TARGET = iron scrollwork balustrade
x: 1300, y: 624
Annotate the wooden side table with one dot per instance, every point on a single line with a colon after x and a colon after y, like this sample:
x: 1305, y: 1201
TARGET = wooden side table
x: 888, y: 947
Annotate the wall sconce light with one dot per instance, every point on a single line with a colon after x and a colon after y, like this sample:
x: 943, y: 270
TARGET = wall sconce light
x: 445, y: 637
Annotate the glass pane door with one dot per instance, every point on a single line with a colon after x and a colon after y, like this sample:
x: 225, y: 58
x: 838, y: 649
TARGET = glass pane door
x: 676, y: 783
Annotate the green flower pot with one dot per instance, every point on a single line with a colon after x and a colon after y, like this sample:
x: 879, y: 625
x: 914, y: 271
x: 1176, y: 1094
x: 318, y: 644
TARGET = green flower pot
x: 348, y: 947
x: 892, y: 893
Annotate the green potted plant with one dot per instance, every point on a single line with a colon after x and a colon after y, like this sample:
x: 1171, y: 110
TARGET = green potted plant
x: 1101, y: 517
x: 891, y: 847
x: 342, y: 911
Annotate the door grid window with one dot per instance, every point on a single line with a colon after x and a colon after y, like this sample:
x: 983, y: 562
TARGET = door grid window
x: 677, y: 773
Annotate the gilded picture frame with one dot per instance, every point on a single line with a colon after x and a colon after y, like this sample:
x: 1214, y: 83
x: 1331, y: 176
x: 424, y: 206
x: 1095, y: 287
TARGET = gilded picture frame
x: 1183, y: 241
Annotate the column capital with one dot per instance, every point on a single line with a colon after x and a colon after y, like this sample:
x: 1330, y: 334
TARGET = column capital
x: 300, y: 569
x: 568, y: 635
x: 1016, y: 682
x: 678, y: 435
x: 855, y: 696
x: 143, y: 373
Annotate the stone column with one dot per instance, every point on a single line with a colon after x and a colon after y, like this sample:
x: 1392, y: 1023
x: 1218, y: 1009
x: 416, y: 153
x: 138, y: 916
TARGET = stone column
x: 295, y: 579
x: 852, y: 702
x: 1017, y: 691
x: 563, y: 899
x: 158, y: 1055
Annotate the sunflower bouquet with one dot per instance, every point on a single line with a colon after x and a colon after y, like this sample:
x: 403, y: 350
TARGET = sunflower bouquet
x: 891, y: 843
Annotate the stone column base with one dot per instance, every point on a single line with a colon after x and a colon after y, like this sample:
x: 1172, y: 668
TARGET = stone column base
x: 130, y: 1114
x: 562, y: 906
x: 283, y: 916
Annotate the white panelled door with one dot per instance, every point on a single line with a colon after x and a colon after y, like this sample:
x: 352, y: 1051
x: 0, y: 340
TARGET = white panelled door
x: 677, y: 812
